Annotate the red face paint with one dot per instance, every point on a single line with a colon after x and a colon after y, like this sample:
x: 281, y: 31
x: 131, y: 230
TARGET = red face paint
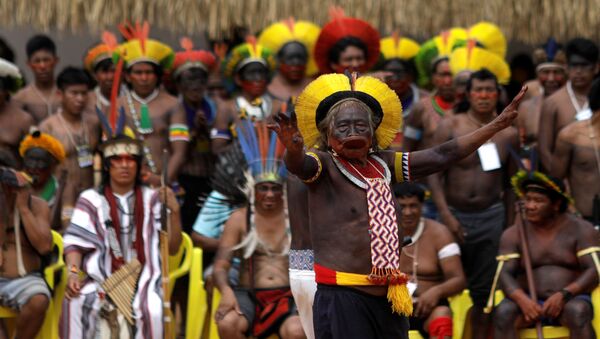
x: 254, y: 88
x: 292, y: 72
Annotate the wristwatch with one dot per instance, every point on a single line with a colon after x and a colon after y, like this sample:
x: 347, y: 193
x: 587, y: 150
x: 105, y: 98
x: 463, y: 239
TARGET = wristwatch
x: 566, y: 295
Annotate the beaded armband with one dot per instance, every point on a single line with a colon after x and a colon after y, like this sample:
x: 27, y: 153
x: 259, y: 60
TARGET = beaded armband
x: 319, y: 168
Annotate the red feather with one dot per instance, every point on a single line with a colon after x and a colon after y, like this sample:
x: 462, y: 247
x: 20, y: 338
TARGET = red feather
x: 109, y: 40
x: 187, y: 44
x: 336, y: 12
x: 126, y: 30
x: 112, y: 119
x: 220, y: 50
x: 396, y: 37
x: 251, y: 39
x: 290, y: 22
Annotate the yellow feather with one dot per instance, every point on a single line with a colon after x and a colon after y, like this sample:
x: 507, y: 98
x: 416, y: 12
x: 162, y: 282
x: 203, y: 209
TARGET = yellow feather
x: 460, y: 60
x: 405, y: 49
x: 490, y: 37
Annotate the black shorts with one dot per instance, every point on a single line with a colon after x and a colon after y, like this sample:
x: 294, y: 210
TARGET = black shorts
x: 418, y: 324
x: 342, y: 312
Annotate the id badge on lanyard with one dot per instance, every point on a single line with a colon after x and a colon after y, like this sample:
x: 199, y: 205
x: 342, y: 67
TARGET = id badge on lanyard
x: 85, y: 157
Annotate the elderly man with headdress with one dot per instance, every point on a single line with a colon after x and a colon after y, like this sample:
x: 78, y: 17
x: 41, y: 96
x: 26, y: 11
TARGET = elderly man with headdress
x: 398, y: 54
x: 113, y: 228
x: 293, y: 43
x: 563, y: 251
x: 352, y: 218
x: 25, y: 238
x: 149, y: 108
x: 41, y: 154
x: 248, y: 68
x: 14, y: 122
x: 551, y: 72
x: 258, y: 234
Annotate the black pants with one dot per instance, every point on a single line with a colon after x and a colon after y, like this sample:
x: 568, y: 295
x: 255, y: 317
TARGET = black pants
x: 346, y: 313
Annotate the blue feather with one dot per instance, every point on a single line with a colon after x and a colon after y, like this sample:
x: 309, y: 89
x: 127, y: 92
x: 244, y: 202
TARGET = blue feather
x: 104, y: 121
x: 120, y: 121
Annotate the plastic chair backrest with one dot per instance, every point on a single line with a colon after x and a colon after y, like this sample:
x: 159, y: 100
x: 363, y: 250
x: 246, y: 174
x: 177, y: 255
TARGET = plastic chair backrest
x: 460, y: 305
x: 197, y: 307
x: 180, y: 263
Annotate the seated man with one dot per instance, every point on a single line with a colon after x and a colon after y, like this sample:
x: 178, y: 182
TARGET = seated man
x: 41, y: 154
x: 112, y: 226
x: 24, y: 238
x: 435, y: 267
x: 262, y: 303
x: 563, y: 250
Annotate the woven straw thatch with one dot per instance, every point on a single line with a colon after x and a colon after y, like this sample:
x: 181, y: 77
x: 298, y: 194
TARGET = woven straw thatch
x: 529, y: 21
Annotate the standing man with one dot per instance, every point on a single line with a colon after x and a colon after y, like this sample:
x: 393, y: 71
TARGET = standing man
x: 564, y: 259
x: 98, y: 62
x: 149, y: 108
x: 551, y: 76
x: 346, y: 44
x: 399, y: 56
x: 473, y: 195
x: 24, y: 238
x: 78, y: 131
x: 577, y: 159
x: 570, y: 102
x: 14, y: 122
x: 40, y: 98
x: 293, y: 43
x: 358, y: 247
x: 112, y: 226
x: 249, y: 67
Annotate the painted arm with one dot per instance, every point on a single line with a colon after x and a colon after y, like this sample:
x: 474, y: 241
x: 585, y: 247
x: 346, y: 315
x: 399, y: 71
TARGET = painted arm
x: 179, y: 146
x: 35, y: 219
x: 220, y: 141
x: 413, y: 129
x: 438, y: 158
x: 296, y: 160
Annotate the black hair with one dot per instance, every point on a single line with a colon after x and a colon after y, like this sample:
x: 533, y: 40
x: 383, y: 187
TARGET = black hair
x: 40, y: 42
x: 7, y: 159
x: 158, y: 71
x: 337, y: 49
x: 103, y: 65
x: 481, y: 75
x: 408, y: 190
x: 594, y: 95
x: 280, y: 51
x: 585, y: 48
x: 436, y: 63
x: 8, y: 84
x: 73, y: 76
x: 6, y: 52
x: 550, y: 193
x: 196, y: 72
x: 106, y: 167
x: 408, y: 65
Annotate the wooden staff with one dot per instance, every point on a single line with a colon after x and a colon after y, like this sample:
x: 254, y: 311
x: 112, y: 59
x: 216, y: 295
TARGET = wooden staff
x: 164, y: 253
x: 521, y: 223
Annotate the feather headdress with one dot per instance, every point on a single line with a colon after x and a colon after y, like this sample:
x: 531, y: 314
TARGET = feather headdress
x: 139, y: 48
x: 190, y: 58
x: 250, y: 51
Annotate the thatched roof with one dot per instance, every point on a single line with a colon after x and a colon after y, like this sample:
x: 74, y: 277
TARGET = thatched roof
x: 529, y: 21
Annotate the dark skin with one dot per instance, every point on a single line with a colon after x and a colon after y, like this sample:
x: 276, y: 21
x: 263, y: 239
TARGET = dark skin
x: 437, y: 278
x: 297, y: 195
x: 290, y: 80
x: 465, y: 186
x: 352, y: 58
x: 554, y: 239
x: 348, y: 226
x: 14, y: 123
x: 574, y: 159
x: 35, y: 222
x: 423, y: 117
x: 270, y: 271
x: 252, y: 80
x: 558, y: 110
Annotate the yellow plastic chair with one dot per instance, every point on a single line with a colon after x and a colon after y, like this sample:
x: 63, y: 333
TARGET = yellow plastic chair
x: 197, y: 306
x: 180, y: 263
x: 558, y: 332
x: 49, y: 328
x: 213, y: 332
x: 414, y: 335
x: 460, y: 305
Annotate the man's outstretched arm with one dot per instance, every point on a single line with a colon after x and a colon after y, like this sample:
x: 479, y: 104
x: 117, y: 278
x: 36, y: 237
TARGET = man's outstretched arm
x: 438, y: 158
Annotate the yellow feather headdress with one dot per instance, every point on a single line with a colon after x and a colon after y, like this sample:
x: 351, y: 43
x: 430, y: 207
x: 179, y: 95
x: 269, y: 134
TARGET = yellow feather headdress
x: 471, y: 58
x: 139, y: 48
x: 489, y: 36
x: 319, y: 96
x: 396, y: 47
x: 278, y: 34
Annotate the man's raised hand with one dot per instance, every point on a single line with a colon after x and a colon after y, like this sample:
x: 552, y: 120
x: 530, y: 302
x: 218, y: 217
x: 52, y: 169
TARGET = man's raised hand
x: 287, y: 131
x: 509, y: 114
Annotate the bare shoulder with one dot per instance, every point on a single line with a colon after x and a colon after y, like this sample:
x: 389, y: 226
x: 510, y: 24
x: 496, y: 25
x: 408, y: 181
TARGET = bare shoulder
x: 510, y: 235
x: 585, y: 229
x: 237, y: 221
x: 18, y: 115
x: 48, y: 124
x: 22, y: 94
x: 439, y: 232
x: 570, y: 132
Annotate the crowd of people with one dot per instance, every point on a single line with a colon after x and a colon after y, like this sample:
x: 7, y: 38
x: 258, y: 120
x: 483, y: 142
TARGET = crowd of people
x: 340, y: 184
